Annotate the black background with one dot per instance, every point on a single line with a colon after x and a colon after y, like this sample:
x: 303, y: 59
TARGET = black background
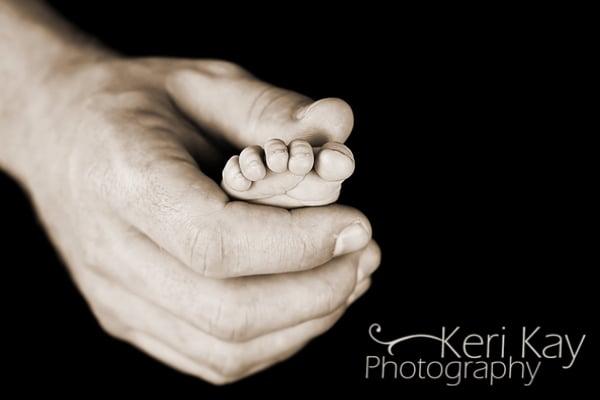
x: 473, y: 166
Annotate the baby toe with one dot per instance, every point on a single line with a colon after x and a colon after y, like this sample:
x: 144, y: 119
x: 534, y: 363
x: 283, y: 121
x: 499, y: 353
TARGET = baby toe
x: 334, y: 162
x: 276, y: 154
x: 301, y: 157
x: 251, y: 163
x: 233, y: 177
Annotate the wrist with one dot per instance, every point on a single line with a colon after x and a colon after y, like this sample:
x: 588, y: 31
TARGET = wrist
x: 29, y: 101
x: 37, y: 49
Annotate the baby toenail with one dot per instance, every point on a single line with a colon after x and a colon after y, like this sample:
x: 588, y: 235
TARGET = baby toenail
x: 340, y: 151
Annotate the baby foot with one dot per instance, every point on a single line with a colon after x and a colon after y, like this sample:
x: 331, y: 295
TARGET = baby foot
x: 294, y: 175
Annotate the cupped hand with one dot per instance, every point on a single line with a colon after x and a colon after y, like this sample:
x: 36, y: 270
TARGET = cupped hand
x: 112, y: 155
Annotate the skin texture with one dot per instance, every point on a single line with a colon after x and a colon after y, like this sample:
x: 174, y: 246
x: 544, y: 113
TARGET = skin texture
x: 112, y: 152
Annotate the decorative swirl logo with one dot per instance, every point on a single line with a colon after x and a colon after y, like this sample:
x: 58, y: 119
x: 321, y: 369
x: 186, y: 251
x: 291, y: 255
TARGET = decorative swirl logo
x: 391, y: 343
x: 475, y: 356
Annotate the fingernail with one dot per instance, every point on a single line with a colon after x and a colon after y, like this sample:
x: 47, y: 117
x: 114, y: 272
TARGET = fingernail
x: 303, y: 110
x: 352, y: 238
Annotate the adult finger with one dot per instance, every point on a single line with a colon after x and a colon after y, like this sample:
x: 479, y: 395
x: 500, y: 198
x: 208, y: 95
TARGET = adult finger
x: 230, y: 360
x: 236, y: 309
x: 227, y: 100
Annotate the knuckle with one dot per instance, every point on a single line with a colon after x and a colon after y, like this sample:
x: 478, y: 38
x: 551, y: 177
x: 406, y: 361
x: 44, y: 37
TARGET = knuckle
x: 227, y: 359
x: 216, y: 379
x: 108, y: 322
x: 226, y: 252
x: 230, y: 319
x: 205, y: 244
x: 112, y: 328
x: 231, y: 365
x: 332, y: 295
x: 308, y: 249
x: 328, y: 297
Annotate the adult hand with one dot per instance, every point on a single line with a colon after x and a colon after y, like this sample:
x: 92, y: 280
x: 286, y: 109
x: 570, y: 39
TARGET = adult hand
x: 217, y: 289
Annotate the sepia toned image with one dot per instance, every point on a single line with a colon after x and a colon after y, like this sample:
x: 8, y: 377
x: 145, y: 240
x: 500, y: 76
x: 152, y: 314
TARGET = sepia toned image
x: 230, y: 201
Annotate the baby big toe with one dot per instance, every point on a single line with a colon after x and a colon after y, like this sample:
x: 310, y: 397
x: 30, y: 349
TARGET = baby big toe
x: 301, y: 157
x: 251, y: 163
x: 334, y: 162
x: 233, y: 177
